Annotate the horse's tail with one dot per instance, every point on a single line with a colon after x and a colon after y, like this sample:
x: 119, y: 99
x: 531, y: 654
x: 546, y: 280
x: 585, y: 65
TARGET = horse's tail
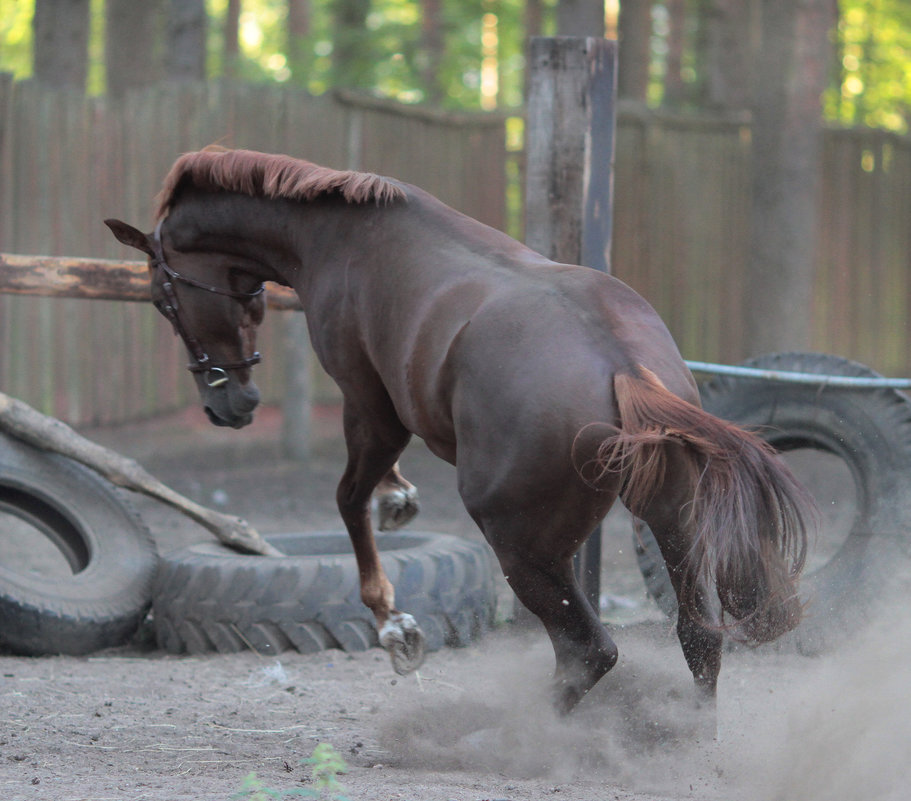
x: 747, y: 514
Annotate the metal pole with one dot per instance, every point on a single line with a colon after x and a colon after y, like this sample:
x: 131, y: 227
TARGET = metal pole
x: 792, y: 377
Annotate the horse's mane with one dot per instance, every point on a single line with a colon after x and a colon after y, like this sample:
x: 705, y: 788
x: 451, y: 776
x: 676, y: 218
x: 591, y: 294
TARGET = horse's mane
x: 272, y: 176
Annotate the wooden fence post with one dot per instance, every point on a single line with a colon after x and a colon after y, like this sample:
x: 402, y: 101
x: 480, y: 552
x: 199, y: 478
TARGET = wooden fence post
x: 569, y: 139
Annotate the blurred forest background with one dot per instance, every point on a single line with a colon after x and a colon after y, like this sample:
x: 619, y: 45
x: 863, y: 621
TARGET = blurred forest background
x: 762, y: 175
x: 459, y: 53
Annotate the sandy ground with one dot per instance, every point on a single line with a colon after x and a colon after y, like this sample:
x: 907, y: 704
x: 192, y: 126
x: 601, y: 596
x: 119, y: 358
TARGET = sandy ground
x: 474, y: 724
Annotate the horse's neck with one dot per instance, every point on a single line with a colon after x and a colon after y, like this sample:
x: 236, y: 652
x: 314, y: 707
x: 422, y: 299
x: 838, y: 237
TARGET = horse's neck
x: 284, y: 238
x: 305, y: 245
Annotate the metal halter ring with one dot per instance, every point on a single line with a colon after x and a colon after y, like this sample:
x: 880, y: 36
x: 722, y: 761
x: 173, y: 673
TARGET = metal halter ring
x: 220, y: 377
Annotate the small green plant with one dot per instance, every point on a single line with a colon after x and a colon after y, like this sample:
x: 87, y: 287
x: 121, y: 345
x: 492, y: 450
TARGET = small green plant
x: 326, y: 764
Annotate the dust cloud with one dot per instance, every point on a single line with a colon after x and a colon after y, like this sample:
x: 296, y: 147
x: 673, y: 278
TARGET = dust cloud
x: 630, y: 730
x: 847, y: 734
x: 792, y: 728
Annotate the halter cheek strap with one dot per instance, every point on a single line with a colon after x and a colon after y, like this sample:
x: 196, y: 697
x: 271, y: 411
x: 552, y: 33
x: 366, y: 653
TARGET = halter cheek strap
x: 216, y: 374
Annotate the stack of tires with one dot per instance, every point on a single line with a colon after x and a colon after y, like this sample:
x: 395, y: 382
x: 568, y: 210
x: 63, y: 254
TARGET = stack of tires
x: 208, y: 597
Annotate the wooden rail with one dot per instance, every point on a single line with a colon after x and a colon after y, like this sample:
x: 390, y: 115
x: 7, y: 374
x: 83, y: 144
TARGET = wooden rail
x: 96, y: 279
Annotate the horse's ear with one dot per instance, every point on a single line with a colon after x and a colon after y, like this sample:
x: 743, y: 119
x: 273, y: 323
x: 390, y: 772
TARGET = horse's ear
x: 131, y: 236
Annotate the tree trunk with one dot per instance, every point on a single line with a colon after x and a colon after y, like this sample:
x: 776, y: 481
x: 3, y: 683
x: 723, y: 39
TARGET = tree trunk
x: 132, y: 36
x: 534, y: 18
x: 635, y: 31
x: 675, y: 90
x: 231, y: 29
x: 298, y: 31
x: 432, y: 49
x: 352, y: 61
x: 789, y: 77
x: 730, y: 38
x: 60, y: 30
x: 187, y: 40
x: 580, y: 18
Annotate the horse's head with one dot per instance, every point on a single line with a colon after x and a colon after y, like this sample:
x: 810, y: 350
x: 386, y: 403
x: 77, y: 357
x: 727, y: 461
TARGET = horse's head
x: 215, y: 308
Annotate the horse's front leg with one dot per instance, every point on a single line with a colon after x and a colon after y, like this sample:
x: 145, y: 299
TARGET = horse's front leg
x: 372, y: 455
x: 397, y: 500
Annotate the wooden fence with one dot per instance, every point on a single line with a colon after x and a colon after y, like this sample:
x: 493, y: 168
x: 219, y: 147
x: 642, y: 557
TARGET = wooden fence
x: 682, y: 230
x: 681, y: 224
x: 67, y: 162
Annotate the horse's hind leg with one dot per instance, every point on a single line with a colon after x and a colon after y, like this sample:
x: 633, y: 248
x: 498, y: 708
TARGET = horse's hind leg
x: 397, y: 500
x: 698, y: 616
x: 583, y: 649
x: 373, y: 448
x: 535, y: 532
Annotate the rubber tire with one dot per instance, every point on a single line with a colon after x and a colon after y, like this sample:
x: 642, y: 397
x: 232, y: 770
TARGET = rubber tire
x: 870, y: 431
x: 105, y: 542
x: 209, y: 598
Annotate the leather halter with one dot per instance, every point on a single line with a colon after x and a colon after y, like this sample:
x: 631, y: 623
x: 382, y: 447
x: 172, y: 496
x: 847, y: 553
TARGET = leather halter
x: 215, y: 373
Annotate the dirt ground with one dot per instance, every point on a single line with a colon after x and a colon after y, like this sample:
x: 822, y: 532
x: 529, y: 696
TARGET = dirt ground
x: 134, y: 723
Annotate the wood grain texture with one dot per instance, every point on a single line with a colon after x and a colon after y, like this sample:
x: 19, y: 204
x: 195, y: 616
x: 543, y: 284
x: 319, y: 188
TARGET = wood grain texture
x: 96, y: 279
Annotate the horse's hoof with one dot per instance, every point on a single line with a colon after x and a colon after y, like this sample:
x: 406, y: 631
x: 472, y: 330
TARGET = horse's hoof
x: 404, y: 640
x: 565, y: 698
x: 398, y: 507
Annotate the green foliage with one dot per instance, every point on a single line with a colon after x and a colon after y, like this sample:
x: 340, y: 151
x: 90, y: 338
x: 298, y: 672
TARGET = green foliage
x: 252, y: 789
x: 326, y: 764
x: 873, y: 86
x: 16, y: 36
x: 388, y: 54
x: 389, y: 58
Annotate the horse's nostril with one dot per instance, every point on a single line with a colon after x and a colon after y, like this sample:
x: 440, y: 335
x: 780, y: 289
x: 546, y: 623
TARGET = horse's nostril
x: 213, y: 417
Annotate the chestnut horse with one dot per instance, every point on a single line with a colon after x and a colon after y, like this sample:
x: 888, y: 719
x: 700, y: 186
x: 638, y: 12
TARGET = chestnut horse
x: 552, y: 388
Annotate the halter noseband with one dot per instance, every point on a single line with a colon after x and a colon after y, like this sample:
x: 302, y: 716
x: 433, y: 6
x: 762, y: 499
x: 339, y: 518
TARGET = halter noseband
x: 215, y: 374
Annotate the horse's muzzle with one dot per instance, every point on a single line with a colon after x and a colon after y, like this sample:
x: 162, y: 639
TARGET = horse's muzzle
x: 233, y: 422
x: 231, y: 404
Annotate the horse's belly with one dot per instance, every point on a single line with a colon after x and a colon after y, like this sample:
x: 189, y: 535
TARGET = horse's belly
x: 444, y: 450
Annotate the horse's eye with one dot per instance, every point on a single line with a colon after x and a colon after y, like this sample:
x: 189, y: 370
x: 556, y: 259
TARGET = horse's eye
x: 256, y: 308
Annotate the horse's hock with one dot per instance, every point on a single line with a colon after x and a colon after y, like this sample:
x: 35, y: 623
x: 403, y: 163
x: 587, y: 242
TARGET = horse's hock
x: 852, y: 448
x: 209, y: 598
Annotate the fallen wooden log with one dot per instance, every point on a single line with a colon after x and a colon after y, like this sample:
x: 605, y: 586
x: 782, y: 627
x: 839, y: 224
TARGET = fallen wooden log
x: 23, y: 422
x: 96, y: 279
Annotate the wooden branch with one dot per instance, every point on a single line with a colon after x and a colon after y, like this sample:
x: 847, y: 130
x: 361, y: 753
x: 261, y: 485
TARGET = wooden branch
x: 47, y: 433
x: 97, y: 279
